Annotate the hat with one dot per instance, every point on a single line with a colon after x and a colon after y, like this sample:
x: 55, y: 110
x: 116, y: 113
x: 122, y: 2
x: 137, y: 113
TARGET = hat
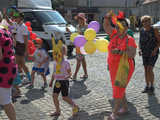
x: 18, y: 14
x: 81, y: 15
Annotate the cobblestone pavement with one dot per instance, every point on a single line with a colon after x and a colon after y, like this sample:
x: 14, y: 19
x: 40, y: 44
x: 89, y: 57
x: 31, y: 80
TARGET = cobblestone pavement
x: 94, y: 96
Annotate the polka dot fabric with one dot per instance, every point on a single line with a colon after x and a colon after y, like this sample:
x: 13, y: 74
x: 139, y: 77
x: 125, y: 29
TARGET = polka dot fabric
x: 8, y: 68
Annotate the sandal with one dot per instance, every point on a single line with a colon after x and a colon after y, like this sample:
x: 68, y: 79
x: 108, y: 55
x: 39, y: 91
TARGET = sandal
x: 74, y: 78
x: 55, y: 114
x: 112, y: 117
x: 122, y: 111
x: 84, y: 77
x: 75, y: 110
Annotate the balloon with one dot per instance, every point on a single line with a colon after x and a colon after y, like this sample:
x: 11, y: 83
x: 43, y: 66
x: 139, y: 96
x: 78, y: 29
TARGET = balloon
x: 94, y: 25
x: 82, y: 50
x: 30, y: 43
x: 38, y: 40
x: 31, y: 50
x: 79, y: 41
x: 102, y: 45
x: 29, y: 29
x: 33, y: 36
x: 28, y: 24
x: 90, y: 34
x: 90, y: 47
x: 73, y: 35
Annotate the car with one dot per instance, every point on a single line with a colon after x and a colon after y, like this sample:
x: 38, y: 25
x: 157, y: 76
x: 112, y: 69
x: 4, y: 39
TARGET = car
x: 157, y: 25
x: 45, y: 21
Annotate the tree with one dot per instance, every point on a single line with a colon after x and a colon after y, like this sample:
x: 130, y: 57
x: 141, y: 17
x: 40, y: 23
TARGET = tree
x: 57, y: 3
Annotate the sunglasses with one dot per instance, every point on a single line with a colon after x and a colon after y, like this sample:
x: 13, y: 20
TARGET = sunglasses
x: 145, y: 21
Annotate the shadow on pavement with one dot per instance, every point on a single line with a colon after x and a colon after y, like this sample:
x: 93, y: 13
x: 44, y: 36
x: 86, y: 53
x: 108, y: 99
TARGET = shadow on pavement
x: 1, y: 109
x: 55, y: 118
x: 33, y: 94
x: 83, y: 115
x: 132, y: 115
x: 154, y: 105
x: 78, y: 89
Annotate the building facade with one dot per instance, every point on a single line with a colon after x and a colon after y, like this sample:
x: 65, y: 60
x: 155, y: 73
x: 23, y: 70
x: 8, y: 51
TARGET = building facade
x: 152, y: 8
x: 96, y: 9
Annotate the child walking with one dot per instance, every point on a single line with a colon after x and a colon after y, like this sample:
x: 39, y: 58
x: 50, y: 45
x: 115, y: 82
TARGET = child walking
x: 40, y: 60
x: 62, y: 84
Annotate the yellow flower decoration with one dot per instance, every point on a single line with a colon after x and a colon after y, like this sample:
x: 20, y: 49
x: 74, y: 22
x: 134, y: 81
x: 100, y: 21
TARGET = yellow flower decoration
x: 57, y: 55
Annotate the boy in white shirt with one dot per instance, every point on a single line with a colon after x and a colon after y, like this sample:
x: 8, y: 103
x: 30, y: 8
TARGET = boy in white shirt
x: 41, y: 59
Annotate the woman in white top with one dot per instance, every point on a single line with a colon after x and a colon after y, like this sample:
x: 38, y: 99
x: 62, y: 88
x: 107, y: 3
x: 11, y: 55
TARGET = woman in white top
x: 21, y: 43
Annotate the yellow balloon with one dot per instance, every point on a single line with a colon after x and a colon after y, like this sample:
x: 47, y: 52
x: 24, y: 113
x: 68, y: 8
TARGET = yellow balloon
x: 90, y: 47
x: 90, y: 34
x: 73, y: 35
x: 102, y: 45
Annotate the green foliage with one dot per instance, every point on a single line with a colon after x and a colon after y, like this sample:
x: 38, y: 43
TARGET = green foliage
x: 57, y: 3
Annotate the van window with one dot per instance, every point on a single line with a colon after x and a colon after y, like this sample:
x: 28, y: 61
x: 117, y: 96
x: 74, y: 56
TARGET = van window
x: 49, y: 17
x: 35, y: 24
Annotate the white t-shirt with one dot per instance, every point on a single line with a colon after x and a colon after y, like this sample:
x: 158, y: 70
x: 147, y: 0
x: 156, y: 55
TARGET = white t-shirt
x: 21, y: 30
x: 39, y: 56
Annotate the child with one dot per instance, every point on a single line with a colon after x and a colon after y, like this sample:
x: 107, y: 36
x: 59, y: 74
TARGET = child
x: 40, y: 60
x: 62, y: 84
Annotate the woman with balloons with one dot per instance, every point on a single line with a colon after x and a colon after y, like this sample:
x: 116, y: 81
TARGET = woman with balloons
x: 82, y: 26
x: 119, y: 44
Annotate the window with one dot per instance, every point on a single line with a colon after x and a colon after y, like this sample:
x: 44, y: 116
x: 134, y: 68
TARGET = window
x: 35, y: 24
x: 49, y: 17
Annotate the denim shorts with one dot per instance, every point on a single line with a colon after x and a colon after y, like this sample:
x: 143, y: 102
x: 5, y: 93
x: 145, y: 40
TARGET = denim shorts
x: 41, y: 70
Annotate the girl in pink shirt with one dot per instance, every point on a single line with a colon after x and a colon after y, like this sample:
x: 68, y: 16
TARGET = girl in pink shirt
x: 62, y: 84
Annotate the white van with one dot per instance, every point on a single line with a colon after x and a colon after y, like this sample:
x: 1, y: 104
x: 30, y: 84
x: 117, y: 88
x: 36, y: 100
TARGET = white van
x: 45, y: 21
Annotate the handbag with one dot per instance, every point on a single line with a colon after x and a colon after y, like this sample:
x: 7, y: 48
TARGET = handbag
x: 122, y: 72
x: 131, y: 51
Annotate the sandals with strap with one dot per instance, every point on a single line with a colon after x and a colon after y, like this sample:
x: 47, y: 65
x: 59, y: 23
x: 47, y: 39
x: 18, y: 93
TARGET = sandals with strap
x: 55, y: 114
x: 84, y: 77
x: 112, y: 117
x: 74, y: 78
x: 75, y: 110
x: 123, y: 111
